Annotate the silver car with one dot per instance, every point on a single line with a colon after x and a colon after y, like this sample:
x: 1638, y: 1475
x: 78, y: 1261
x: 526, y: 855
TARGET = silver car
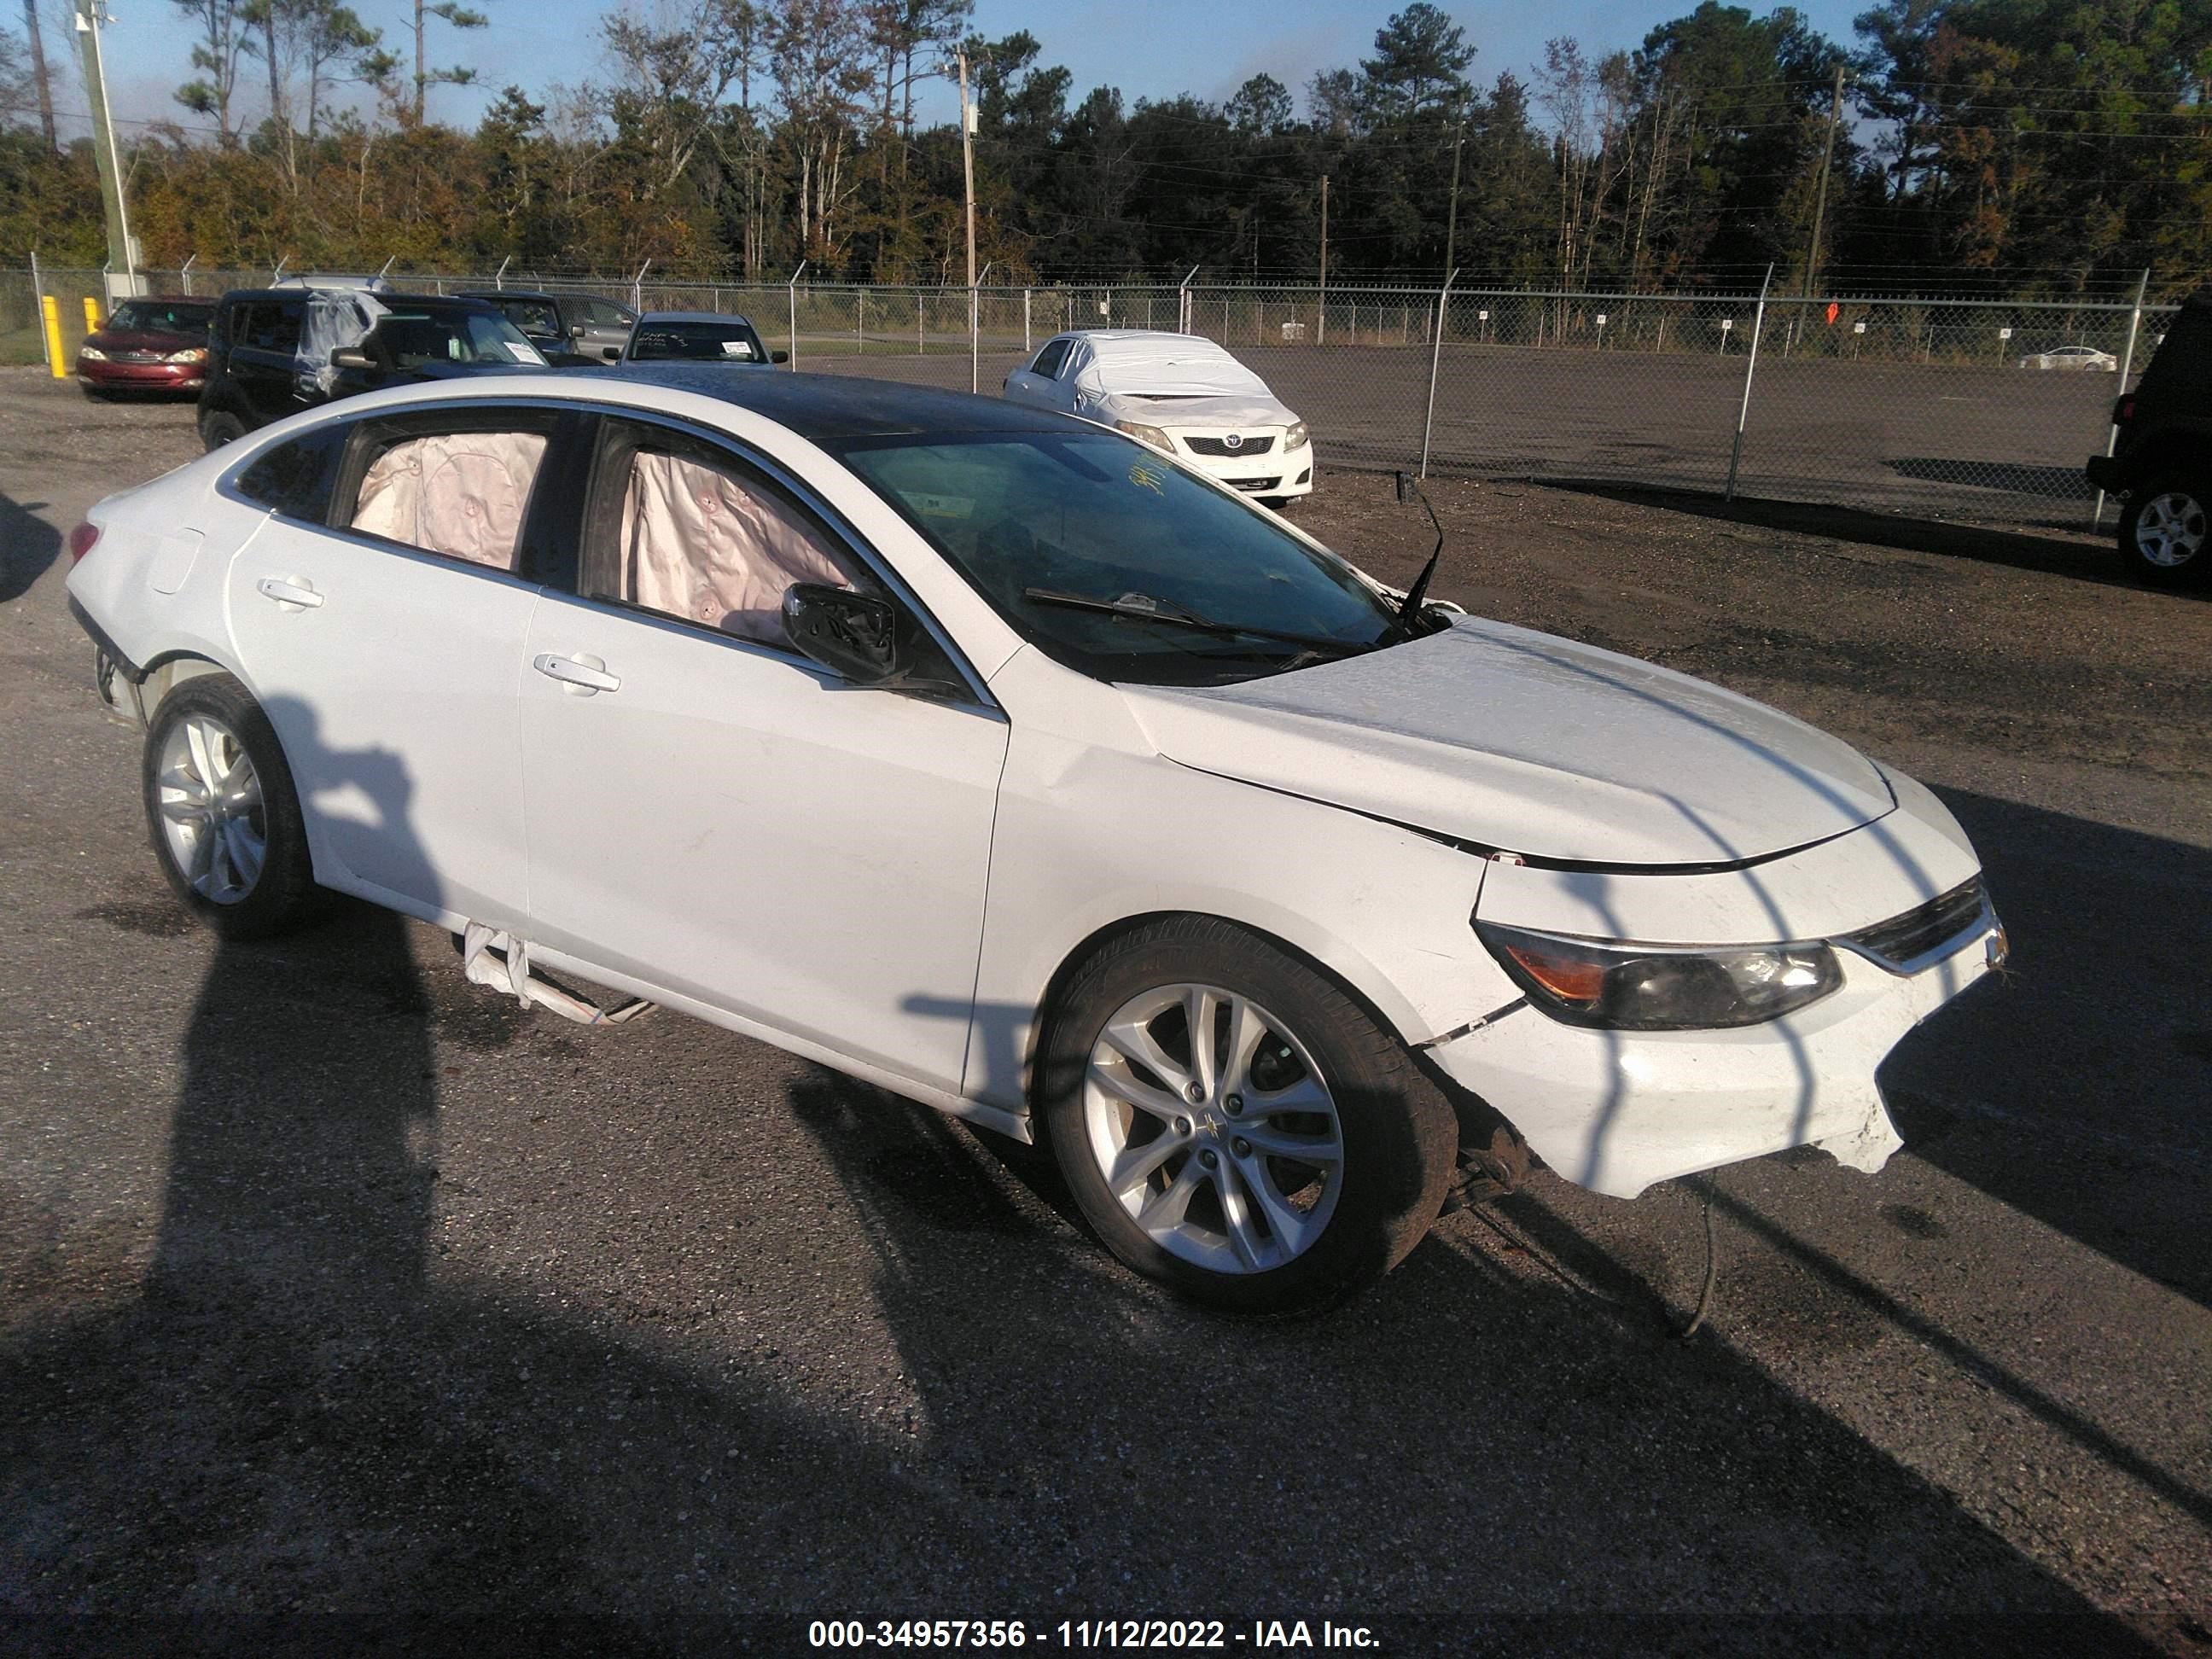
x: 2073, y: 356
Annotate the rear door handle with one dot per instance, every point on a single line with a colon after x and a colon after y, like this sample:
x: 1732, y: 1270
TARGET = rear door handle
x: 286, y: 591
x: 579, y: 678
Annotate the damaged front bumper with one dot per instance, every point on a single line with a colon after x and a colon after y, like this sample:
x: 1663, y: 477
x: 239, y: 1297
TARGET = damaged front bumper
x: 1615, y: 1111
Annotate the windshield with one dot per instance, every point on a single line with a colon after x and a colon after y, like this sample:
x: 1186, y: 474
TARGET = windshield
x: 411, y: 338
x: 161, y: 316
x: 665, y: 342
x: 1083, y: 515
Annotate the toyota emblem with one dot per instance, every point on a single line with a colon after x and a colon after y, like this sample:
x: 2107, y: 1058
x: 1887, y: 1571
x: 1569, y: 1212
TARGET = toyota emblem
x: 1234, y: 440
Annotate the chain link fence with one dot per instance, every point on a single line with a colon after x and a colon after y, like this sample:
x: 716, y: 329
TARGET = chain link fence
x: 1944, y: 408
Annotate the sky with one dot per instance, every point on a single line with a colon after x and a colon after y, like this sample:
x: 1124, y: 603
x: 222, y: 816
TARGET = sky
x: 1148, y: 48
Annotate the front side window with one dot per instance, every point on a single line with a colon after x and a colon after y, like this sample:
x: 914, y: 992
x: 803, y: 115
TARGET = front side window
x: 1052, y: 528
x: 531, y: 316
x: 605, y: 314
x: 274, y: 326
x: 463, y: 493
x: 1049, y: 360
x: 297, y: 479
x: 681, y: 528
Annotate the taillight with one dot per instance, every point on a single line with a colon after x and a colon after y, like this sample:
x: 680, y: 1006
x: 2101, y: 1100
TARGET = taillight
x: 82, y: 540
x: 2123, y: 411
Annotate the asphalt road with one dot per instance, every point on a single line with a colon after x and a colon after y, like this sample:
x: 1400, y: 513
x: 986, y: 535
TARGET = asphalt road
x: 1993, y: 442
x: 342, y: 1306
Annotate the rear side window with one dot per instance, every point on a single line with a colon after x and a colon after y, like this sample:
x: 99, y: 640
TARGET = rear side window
x: 297, y: 479
x: 459, y: 488
x: 604, y: 313
x: 1049, y: 360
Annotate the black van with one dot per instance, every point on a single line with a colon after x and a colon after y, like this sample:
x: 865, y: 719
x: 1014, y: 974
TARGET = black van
x: 264, y: 363
x: 2161, y: 460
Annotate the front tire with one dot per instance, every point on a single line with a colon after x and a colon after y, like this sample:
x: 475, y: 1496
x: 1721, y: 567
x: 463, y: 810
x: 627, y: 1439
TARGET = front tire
x: 2163, y: 530
x: 219, y: 426
x: 222, y: 812
x: 1291, y: 1155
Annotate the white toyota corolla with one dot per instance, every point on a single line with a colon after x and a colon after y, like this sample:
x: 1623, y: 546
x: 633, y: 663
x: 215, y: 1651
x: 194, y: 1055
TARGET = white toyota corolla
x: 1003, y: 761
x: 1181, y: 394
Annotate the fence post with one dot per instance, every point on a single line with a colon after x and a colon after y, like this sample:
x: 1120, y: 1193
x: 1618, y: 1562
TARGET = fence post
x: 185, y: 275
x: 1436, y: 357
x: 1025, y: 322
x: 1750, y: 366
x: 861, y: 324
x: 38, y: 294
x: 2127, y: 366
x: 791, y: 292
x: 917, y: 321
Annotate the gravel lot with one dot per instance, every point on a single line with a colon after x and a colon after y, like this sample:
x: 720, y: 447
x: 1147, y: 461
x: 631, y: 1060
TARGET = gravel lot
x: 340, y: 1305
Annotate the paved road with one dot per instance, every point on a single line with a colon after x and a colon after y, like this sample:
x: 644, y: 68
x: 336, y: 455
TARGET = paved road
x: 335, y: 1295
x: 1997, y: 443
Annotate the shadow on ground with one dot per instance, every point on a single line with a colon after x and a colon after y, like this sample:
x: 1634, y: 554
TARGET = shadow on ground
x: 299, y: 1437
x: 28, y: 546
x: 2020, y: 550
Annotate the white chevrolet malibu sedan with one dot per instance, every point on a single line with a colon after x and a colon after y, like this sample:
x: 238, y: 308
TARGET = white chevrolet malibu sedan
x: 1003, y: 761
x: 1184, y: 395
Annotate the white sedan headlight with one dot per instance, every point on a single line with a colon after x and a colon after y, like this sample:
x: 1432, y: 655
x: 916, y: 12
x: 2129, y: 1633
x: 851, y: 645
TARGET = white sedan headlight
x: 1296, y: 437
x: 92, y: 354
x: 1148, y: 435
x: 1647, y: 987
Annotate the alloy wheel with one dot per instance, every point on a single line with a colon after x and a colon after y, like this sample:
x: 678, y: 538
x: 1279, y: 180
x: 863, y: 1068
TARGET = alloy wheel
x: 211, y: 813
x: 1214, y: 1128
x: 2170, y: 529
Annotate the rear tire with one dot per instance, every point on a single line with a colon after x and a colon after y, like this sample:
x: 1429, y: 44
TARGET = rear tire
x: 219, y: 426
x: 2164, y: 531
x: 1241, y: 1206
x: 222, y: 813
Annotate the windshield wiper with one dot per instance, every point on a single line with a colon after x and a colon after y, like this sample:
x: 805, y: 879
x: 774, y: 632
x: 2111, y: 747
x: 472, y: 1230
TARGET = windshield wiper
x: 1409, y: 610
x: 1142, y: 607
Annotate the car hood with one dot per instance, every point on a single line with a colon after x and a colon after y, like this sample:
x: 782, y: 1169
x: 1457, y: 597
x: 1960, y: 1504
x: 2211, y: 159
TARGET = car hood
x: 143, y: 339
x: 1521, y: 741
x: 1174, y: 408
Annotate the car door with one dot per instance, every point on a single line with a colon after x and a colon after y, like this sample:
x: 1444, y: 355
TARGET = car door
x: 1036, y: 384
x: 714, y: 815
x: 380, y: 622
x: 264, y: 361
x: 606, y: 327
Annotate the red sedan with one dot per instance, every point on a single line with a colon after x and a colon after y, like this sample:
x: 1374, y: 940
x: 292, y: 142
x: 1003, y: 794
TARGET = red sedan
x: 150, y: 344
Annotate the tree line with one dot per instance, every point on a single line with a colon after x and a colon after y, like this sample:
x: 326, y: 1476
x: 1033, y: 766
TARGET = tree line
x: 2055, y: 147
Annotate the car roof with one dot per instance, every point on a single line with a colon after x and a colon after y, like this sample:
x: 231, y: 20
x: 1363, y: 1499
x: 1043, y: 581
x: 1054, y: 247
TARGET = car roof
x: 696, y: 317
x: 383, y: 297
x: 819, y: 406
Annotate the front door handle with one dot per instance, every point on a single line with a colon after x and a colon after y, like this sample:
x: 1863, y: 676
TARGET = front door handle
x: 579, y: 676
x: 287, y: 591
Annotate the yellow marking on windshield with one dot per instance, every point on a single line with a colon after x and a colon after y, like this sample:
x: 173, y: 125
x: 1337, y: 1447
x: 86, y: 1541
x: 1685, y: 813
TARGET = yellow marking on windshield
x: 1147, y: 476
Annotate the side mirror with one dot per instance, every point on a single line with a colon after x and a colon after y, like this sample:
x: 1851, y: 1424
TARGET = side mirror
x: 348, y: 358
x: 779, y: 356
x: 853, y: 634
x: 576, y: 332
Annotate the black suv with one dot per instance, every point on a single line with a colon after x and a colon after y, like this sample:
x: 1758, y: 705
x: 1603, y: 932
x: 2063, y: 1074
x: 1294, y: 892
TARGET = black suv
x: 269, y: 350
x: 2161, y: 461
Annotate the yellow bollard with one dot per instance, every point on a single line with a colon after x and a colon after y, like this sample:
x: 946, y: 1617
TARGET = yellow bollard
x: 91, y: 315
x: 54, y: 314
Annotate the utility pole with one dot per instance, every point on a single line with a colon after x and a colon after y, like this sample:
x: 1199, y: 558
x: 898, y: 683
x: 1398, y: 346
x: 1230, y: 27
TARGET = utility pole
x: 31, y: 33
x: 1320, y: 320
x: 1451, y: 218
x: 122, y: 257
x: 968, y: 184
x: 1820, y: 202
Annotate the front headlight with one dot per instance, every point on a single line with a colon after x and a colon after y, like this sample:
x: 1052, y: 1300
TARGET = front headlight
x: 91, y: 354
x: 1296, y: 437
x: 1148, y: 435
x: 189, y: 355
x: 1658, y: 988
